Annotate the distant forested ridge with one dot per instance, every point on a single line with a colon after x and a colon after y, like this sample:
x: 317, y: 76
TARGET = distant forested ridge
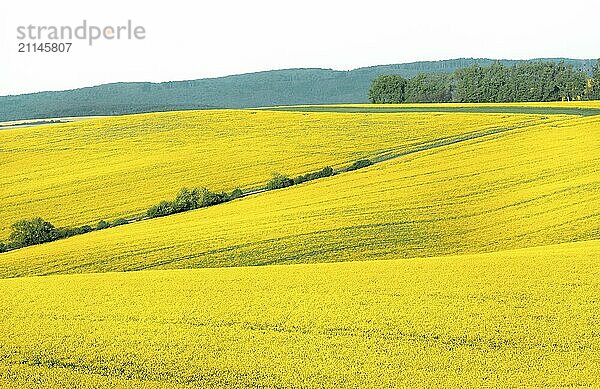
x: 496, y: 83
x: 277, y: 87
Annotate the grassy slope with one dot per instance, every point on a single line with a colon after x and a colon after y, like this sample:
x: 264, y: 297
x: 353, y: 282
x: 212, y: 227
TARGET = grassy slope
x: 77, y: 173
x: 585, y: 108
x: 520, y: 318
x: 406, y: 109
x: 529, y: 187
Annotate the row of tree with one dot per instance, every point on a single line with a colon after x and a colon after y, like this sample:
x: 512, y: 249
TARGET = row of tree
x: 34, y: 231
x: 188, y: 199
x: 530, y: 81
x: 280, y: 181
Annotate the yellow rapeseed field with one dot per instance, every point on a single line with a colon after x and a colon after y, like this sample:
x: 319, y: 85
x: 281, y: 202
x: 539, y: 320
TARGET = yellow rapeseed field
x: 82, y: 172
x: 520, y: 318
x: 465, y: 261
x: 533, y: 186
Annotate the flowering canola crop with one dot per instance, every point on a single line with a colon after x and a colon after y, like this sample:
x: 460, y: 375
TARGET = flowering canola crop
x: 508, y: 319
x: 471, y: 259
x: 528, y: 187
x: 82, y: 172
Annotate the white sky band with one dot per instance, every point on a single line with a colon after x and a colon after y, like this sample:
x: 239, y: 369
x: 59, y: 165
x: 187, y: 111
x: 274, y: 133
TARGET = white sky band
x: 190, y: 40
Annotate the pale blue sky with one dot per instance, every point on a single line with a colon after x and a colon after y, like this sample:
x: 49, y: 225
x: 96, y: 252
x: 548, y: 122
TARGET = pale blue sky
x: 194, y: 39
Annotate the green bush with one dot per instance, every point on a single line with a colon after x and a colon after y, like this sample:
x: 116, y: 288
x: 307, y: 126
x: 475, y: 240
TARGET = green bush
x: 208, y: 198
x: 3, y: 247
x: 186, y: 200
x: 66, y: 232
x: 28, y: 232
x: 236, y: 193
x: 279, y: 181
x: 102, y: 224
x: 118, y: 222
x: 359, y: 165
x: 325, y: 172
x: 163, y: 208
x: 84, y: 229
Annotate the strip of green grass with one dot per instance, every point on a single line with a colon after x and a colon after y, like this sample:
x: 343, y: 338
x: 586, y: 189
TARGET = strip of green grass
x: 483, y: 109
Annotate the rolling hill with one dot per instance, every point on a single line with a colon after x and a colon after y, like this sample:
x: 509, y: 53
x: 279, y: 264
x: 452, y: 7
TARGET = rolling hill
x: 515, y: 318
x: 277, y: 87
x: 79, y: 173
x: 531, y: 183
x: 466, y: 256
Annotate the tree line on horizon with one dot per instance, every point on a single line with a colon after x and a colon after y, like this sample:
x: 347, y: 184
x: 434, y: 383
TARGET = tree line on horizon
x: 498, y: 83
